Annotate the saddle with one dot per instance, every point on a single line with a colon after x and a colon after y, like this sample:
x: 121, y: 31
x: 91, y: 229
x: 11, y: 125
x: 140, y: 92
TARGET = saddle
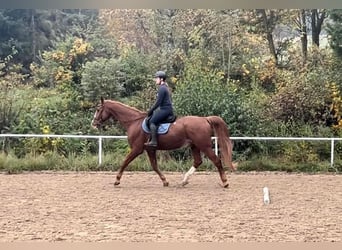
x: 169, y: 119
x: 163, y: 127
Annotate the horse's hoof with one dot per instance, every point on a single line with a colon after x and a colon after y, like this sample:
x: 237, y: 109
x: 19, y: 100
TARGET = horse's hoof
x: 184, y: 183
x: 225, y: 185
x: 166, y: 184
x: 116, y: 183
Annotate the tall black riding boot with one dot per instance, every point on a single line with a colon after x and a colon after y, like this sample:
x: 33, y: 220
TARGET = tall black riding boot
x: 153, y: 142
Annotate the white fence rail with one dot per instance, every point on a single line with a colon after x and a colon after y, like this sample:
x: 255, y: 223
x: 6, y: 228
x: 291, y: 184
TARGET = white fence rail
x: 101, y: 137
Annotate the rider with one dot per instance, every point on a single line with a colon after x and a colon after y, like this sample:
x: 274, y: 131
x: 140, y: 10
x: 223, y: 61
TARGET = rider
x: 161, y: 109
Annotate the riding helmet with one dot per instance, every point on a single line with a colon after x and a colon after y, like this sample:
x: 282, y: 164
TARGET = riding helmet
x: 160, y: 74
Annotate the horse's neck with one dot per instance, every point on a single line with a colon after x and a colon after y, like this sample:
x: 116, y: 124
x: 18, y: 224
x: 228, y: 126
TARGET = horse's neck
x: 125, y: 115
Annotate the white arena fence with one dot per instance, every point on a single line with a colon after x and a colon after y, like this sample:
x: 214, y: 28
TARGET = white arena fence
x: 101, y: 137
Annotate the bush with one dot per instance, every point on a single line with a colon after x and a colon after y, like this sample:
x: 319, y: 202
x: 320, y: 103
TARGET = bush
x: 101, y: 78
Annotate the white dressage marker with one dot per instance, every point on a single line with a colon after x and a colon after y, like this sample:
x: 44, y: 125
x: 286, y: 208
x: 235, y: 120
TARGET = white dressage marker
x: 266, y: 196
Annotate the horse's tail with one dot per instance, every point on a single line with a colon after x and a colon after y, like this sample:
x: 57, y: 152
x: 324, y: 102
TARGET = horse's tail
x: 224, y: 141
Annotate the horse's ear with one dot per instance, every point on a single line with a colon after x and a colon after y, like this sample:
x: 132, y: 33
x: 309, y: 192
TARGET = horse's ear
x: 102, y: 100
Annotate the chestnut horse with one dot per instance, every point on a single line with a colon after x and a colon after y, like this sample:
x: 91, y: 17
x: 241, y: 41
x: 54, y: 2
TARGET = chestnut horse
x: 194, y: 131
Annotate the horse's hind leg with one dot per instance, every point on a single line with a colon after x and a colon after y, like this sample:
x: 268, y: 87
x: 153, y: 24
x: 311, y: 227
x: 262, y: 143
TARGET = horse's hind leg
x: 153, y: 160
x: 196, y: 154
x: 217, y: 162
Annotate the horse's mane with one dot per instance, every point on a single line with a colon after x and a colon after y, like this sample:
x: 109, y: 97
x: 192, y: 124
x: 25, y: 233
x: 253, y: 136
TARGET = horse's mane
x: 125, y: 105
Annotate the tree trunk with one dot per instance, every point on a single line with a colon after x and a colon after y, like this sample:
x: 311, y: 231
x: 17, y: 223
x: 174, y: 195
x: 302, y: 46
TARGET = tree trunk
x: 269, y: 35
x: 303, y: 35
x: 317, y: 19
x: 33, y: 28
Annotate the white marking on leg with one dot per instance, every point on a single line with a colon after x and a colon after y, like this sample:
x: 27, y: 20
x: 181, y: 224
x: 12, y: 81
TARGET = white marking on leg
x: 188, y: 174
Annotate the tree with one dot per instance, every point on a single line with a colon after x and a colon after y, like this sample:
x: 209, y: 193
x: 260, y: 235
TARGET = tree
x: 262, y: 21
x: 268, y: 20
x: 32, y: 31
x: 334, y: 29
x: 317, y: 18
x: 302, y: 28
x: 101, y: 78
x: 298, y: 19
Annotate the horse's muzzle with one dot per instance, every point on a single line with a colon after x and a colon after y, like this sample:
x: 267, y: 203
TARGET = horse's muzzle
x: 95, y: 124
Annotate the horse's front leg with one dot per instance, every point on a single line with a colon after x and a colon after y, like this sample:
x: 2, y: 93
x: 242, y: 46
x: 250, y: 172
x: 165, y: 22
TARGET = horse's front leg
x: 153, y: 160
x: 129, y: 158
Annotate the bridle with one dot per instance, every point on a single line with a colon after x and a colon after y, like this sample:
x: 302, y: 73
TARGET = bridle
x: 98, y: 122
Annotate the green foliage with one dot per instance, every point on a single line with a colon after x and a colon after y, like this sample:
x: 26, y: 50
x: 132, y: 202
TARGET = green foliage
x: 50, y: 112
x: 304, y: 98
x: 274, y: 164
x: 47, y: 161
x: 62, y: 67
x: 53, y: 161
x: 200, y: 90
x: 101, y: 77
x: 135, y: 71
x: 10, y: 103
x: 116, y: 77
x: 203, y: 91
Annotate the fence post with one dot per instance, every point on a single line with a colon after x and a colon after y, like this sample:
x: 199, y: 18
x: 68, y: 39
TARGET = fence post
x: 100, y: 150
x: 332, y: 153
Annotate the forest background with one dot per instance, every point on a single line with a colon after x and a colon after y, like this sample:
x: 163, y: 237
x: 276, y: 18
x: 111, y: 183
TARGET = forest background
x: 265, y: 72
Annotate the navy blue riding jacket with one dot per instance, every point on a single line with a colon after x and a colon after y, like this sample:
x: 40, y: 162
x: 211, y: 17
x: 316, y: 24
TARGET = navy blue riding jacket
x: 162, y: 108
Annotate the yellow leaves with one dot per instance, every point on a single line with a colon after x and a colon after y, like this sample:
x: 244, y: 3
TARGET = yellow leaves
x: 336, y: 105
x: 246, y: 50
x: 62, y: 75
x: 33, y: 67
x: 255, y: 39
x: 86, y: 104
x: 54, y: 143
x: 47, y: 143
x: 80, y: 47
x: 58, y: 56
x: 245, y: 70
x: 270, y: 63
x: 125, y: 50
x: 45, y: 129
x: 174, y: 79
x: 338, y: 125
x: 267, y: 71
x: 220, y: 74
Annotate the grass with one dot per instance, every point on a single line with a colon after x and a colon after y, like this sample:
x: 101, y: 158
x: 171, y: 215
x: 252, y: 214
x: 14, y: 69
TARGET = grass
x: 111, y: 162
x: 279, y: 164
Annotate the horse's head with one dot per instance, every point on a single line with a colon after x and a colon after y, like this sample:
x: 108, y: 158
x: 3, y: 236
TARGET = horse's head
x: 101, y: 115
